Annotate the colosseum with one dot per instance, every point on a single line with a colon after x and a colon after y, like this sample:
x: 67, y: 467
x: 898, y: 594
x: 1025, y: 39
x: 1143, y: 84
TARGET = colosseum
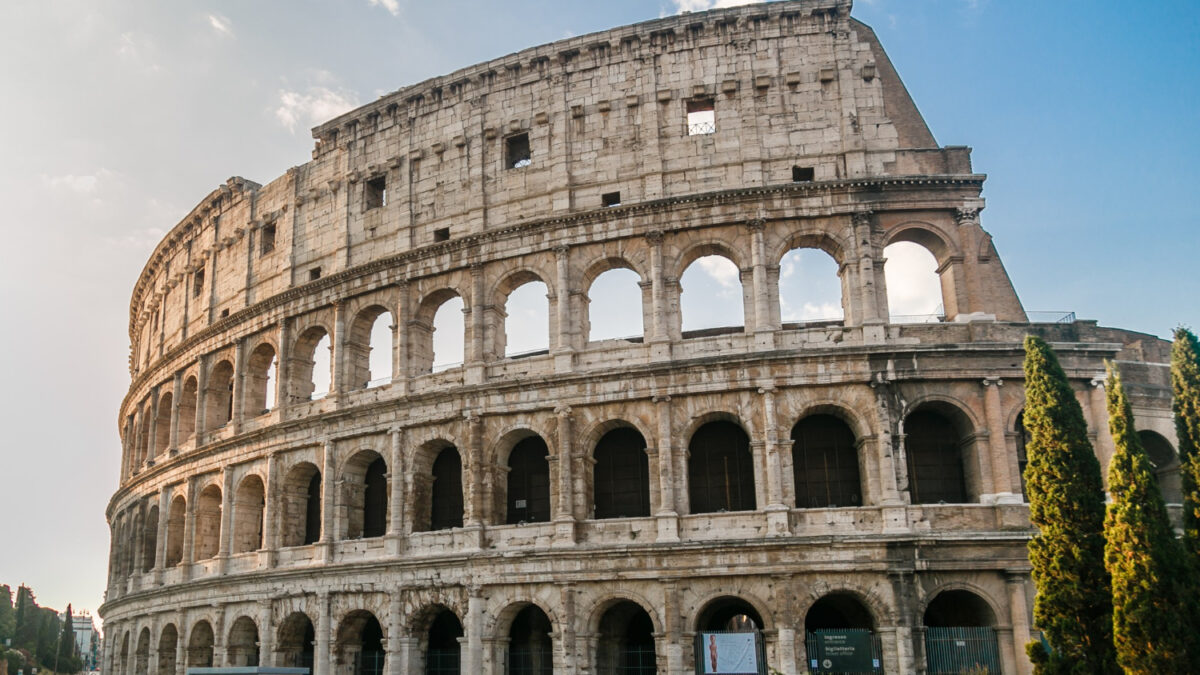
x: 307, y: 482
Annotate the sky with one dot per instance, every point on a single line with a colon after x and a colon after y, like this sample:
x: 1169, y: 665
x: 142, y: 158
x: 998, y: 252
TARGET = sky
x: 118, y: 117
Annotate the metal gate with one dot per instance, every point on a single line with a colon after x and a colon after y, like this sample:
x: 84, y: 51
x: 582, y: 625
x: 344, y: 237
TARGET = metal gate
x: 812, y: 650
x: 954, y: 650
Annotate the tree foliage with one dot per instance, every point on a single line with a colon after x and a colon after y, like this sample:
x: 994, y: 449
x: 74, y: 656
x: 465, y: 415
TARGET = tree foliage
x: 1185, y: 385
x: 1073, y: 606
x: 1152, y: 603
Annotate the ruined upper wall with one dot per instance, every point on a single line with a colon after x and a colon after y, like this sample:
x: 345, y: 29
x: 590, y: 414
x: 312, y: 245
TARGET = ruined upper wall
x: 793, y: 86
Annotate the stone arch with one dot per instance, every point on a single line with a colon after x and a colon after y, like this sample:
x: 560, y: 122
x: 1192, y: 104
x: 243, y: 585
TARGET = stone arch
x: 1166, y: 464
x: 942, y: 247
x: 142, y: 654
x: 927, y: 235
x: 187, y: 409
x: 620, y: 478
x: 242, y: 645
x: 940, y: 447
x: 200, y: 645
x: 261, y: 369
x: 996, y: 608
x: 438, y: 484
x: 295, y: 642
x: 206, y: 541
x: 826, y: 462
x: 607, y: 271
x: 162, y: 423
x: 726, y: 604
x: 841, y: 608
x: 150, y: 539
x: 512, y: 282
x: 820, y: 239
x: 360, y: 346
x: 176, y: 517
x: 708, y: 246
x: 358, y: 644
x: 613, y: 597
x: 440, y: 630
x: 421, y: 329
x: 123, y: 667
x: 529, y: 482
x: 530, y: 631
x: 883, y: 610
x: 168, y: 644
x: 722, y: 474
x: 365, y: 495
x: 249, y: 502
x: 301, y: 501
x: 688, y: 327
x: 218, y: 395
x: 302, y: 375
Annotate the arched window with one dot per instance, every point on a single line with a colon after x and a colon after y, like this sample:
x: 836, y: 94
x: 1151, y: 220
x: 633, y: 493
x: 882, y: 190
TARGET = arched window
x: 124, y: 664
x: 711, y: 296
x: 447, y: 335
x: 359, y: 646
x: 614, y: 302
x: 527, y: 321
x: 1166, y: 465
x: 302, y: 505
x: 446, y: 498
x: 162, y: 424
x: 1022, y: 453
x: 260, y: 381
x: 168, y: 643
x: 810, y: 288
x: 187, y: 410
x: 442, y: 651
x: 621, y: 475
x: 142, y: 657
x: 528, y: 482
x: 175, y: 523
x: 242, y: 650
x: 200, y: 646
x: 825, y: 463
x: 248, y: 504
x: 144, y: 441
x: 218, y: 397
x: 914, y: 290
x: 150, y: 539
x: 935, y: 459
x: 297, y: 640
x: 309, y: 365
x: 626, y: 643
x: 369, y: 348
x: 729, y: 613
x: 530, y: 651
x: 208, y: 523
x: 365, y: 494
x: 838, y: 614
x: 954, y: 620
x: 720, y: 469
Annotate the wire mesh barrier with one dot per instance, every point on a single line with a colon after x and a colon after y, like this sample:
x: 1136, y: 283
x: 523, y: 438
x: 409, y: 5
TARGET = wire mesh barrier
x: 369, y: 663
x: 953, y: 650
x: 702, y: 128
x: 530, y: 661
x: 819, y: 661
x: 442, y: 661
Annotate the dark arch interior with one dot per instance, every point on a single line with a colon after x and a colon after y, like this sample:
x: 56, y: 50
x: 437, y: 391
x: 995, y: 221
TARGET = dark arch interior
x: 839, y: 610
x: 626, y: 642
x: 442, y: 655
x: 728, y: 613
x: 935, y: 462
x: 825, y: 463
x: 312, y: 510
x: 361, y: 643
x: 243, y: 643
x: 1022, y: 453
x: 530, y: 651
x: 168, y: 642
x: 296, y: 641
x: 959, y: 609
x: 200, y: 646
x: 621, y: 475
x: 1166, y: 465
x: 528, y: 482
x: 375, y: 499
x: 720, y: 469
x: 446, y: 504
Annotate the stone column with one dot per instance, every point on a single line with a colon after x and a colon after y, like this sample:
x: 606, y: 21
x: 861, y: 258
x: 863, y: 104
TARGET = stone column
x: 327, y: 498
x: 395, y: 478
x: 176, y: 394
x: 568, y: 662
x: 152, y: 441
x: 776, y: 509
x: 473, y: 506
x: 668, y: 514
x: 201, y: 426
x: 869, y: 295
x: 183, y: 632
x: 997, y: 442
x: 337, y: 379
x: 763, y: 321
x: 564, y: 518
x: 396, y: 662
x: 1097, y: 405
x: 321, y: 655
x: 282, y: 366
x: 270, y: 504
x: 160, y: 548
x: 564, y: 348
x: 890, y: 463
x: 400, y: 368
x: 266, y: 635
x: 139, y: 423
x: 189, y: 529
x: 473, y: 658
x: 239, y: 386
x: 474, y: 350
x: 1019, y: 611
x: 658, y: 332
x: 224, y: 543
x: 220, y: 651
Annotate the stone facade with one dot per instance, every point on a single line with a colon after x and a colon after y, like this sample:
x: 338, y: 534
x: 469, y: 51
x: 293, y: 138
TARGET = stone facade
x: 507, y: 510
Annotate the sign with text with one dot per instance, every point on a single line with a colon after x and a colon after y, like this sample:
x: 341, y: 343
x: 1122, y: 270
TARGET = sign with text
x: 728, y: 654
x: 842, y: 651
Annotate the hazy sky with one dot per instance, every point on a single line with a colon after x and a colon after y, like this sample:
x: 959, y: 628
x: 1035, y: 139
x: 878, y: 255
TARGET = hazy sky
x: 118, y: 117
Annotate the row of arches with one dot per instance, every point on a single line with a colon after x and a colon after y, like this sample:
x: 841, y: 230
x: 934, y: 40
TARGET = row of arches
x: 628, y: 637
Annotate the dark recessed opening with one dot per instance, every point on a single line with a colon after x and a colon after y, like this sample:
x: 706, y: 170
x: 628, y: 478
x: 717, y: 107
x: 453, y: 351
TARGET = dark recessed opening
x: 516, y: 151
x: 611, y: 198
x: 701, y: 117
x: 266, y: 239
x: 802, y: 174
x: 224, y: 313
x: 314, y: 274
x: 375, y: 193
x: 441, y: 234
x: 197, y: 283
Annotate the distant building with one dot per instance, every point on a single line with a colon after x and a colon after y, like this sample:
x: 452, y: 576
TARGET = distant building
x: 85, y: 628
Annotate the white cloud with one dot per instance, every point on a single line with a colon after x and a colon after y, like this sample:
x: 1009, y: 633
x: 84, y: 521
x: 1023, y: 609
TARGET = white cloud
x: 722, y: 270
x: 84, y: 185
x: 221, y: 24
x: 392, y: 6
x: 913, y: 286
x: 702, y: 5
x: 312, y: 106
x: 138, y: 50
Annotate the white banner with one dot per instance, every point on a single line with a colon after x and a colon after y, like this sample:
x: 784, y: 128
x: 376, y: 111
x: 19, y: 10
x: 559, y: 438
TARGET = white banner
x: 729, y: 654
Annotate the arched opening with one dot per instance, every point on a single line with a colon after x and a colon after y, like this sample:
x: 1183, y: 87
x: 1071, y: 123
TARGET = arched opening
x: 711, y: 297
x: 141, y: 662
x: 934, y: 445
x: 621, y: 475
x: 302, y: 505
x: 1022, y: 454
x: 446, y: 492
x: 242, y: 649
x: 810, y: 288
x: 526, y: 321
x: 369, y: 348
x: 626, y: 641
x: 123, y: 666
x: 310, y: 365
x: 208, y: 523
x: 720, y: 469
x: 528, y: 496
x: 176, y: 517
x: 162, y: 424
x: 446, y: 336
x: 1166, y: 465
x: 248, y: 503
x: 168, y: 643
x: 218, y: 397
x: 442, y: 652
x: 296, y: 642
x: 832, y: 625
x: 187, y: 410
x: 144, y: 441
x: 960, y: 634
x: 614, y: 306
x: 730, y: 614
x: 200, y: 646
x: 825, y: 463
x: 530, y: 650
x: 260, y: 381
x: 365, y: 495
x: 359, y: 646
x: 150, y: 539
x: 914, y: 289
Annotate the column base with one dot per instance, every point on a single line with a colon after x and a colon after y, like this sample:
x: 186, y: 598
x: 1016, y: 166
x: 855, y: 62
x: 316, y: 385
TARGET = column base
x: 660, y: 350
x: 394, y: 544
x: 895, y: 519
x: 779, y: 522
x: 764, y: 340
x: 564, y: 360
x: 668, y: 526
x: 564, y: 532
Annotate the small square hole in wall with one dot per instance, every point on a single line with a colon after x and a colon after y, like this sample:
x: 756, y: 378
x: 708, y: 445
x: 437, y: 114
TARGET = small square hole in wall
x: 516, y: 151
x: 701, y: 117
x: 266, y: 239
x: 441, y: 234
x: 611, y: 198
x: 375, y: 193
x: 314, y: 274
x: 224, y: 313
x: 802, y: 174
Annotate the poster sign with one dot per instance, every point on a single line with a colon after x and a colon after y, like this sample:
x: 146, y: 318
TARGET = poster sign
x: 729, y: 654
x: 843, y: 651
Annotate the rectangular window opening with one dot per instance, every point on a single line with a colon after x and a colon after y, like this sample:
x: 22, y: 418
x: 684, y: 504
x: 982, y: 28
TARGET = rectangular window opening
x: 516, y: 151
x: 802, y: 174
x: 224, y: 313
x: 198, y: 283
x: 266, y: 239
x: 375, y: 193
x: 441, y: 234
x: 314, y: 274
x: 611, y: 198
x: 701, y: 117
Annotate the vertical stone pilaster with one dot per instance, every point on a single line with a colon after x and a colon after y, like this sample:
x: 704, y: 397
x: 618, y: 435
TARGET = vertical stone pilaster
x: 189, y: 528
x: 395, y: 643
x: 283, y: 366
x: 266, y: 635
x: 321, y: 656
x: 763, y: 321
x: 337, y: 378
x: 565, y: 507
x: 1018, y: 609
x: 1096, y: 409
x: 271, y: 497
x: 474, y: 348
x: 328, y: 509
x: 152, y: 441
x: 473, y: 502
x: 668, y: 501
x: 659, y: 331
x: 395, y: 478
x: 224, y: 545
x: 473, y: 658
x: 1001, y: 486
x: 176, y: 394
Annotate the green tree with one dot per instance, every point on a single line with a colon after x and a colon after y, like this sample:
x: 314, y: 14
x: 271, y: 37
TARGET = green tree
x: 26, y: 625
x: 67, y: 660
x: 1185, y: 385
x: 1073, y: 606
x: 1150, y: 576
x: 8, y: 616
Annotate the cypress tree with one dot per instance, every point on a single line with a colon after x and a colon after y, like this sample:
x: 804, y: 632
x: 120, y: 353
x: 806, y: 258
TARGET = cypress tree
x: 1073, y: 606
x: 8, y: 617
x: 1151, y: 599
x: 68, y: 659
x: 1185, y: 385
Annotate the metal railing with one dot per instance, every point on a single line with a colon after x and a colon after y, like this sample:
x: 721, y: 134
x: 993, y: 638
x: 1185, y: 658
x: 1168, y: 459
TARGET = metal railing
x: 702, y: 128
x: 917, y: 318
x: 1050, y: 317
x: 953, y: 650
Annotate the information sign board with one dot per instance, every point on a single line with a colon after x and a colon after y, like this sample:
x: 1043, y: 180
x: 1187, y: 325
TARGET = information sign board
x: 842, y: 651
x: 719, y: 653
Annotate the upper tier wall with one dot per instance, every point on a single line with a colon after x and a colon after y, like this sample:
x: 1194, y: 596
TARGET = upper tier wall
x: 792, y: 84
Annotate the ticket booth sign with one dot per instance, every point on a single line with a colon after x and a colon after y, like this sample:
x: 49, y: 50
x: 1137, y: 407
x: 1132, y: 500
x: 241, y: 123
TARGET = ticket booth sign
x: 839, y: 651
x: 722, y: 653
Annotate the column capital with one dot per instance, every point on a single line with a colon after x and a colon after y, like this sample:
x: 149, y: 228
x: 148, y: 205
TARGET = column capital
x: 756, y: 224
x: 562, y: 410
x: 655, y: 237
x: 1098, y: 381
x: 967, y: 215
x: 989, y: 381
x: 861, y: 218
x: 561, y: 249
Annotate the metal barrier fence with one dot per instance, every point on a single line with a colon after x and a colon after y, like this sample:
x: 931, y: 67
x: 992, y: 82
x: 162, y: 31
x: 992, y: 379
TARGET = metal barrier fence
x: 954, y: 650
x: 369, y: 663
x: 813, y: 652
x: 443, y: 661
x: 530, y: 661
